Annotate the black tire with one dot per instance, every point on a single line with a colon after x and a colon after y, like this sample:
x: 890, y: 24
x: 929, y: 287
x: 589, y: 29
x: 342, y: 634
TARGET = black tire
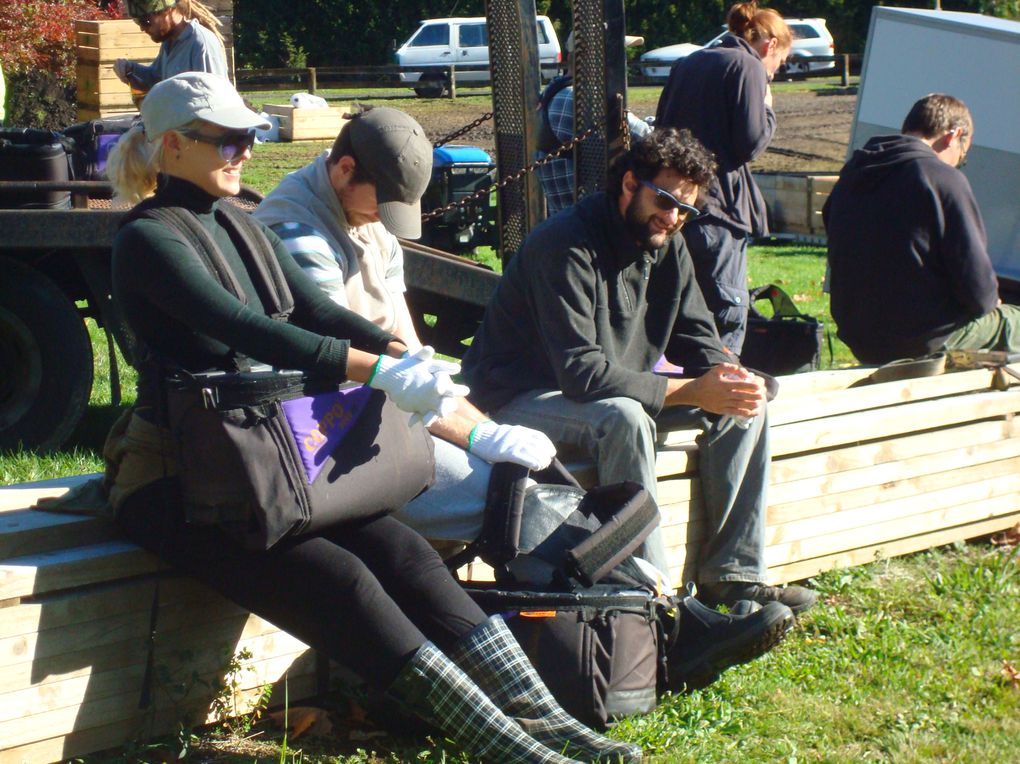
x: 430, y: 86
x: 46, y: 357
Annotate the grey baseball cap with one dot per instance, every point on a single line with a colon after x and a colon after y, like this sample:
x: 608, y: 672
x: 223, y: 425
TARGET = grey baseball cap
x: 395, y: 151
x: 183, y: 98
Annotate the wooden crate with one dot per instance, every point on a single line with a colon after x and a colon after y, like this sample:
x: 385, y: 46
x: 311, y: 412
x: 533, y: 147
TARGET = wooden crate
x: 74, y: 621
x: 795, y: 201
x: 99, y: 45
x: 308, y: 124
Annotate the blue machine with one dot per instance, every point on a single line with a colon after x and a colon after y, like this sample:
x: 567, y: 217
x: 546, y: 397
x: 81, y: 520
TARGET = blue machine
x: 458, y: 172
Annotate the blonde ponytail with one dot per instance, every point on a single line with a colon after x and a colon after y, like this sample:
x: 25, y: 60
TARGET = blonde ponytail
x: 133, y: 165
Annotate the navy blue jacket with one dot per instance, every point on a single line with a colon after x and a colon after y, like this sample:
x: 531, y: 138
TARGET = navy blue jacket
x: 718, y: 94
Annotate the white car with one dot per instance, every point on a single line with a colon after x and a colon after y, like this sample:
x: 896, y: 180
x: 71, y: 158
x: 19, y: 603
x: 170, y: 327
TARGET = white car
x: 810, y: 38
x: 440, y: 43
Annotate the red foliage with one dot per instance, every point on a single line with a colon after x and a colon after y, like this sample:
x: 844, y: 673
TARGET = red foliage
x: 36, y: 34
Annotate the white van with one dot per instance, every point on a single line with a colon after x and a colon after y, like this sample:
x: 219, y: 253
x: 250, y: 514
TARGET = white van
x: 439, y: 43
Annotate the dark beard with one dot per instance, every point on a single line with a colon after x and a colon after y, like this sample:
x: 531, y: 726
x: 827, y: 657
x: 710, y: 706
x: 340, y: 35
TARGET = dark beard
x: 641, y: 230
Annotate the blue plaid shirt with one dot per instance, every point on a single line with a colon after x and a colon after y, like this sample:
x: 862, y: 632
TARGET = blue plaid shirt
x: 557, y: 177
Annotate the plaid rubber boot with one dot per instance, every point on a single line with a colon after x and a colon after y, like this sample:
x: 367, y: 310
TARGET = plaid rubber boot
x: 433, y: 687
x: 491, y: 655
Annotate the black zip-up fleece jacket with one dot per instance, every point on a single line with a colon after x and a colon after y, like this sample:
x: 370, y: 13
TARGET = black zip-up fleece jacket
x: 718, y: 94
x: 584, y: 310
x: 907, y: 251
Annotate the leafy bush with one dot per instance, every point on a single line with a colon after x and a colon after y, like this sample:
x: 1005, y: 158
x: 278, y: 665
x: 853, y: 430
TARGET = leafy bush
x: 37, y: 52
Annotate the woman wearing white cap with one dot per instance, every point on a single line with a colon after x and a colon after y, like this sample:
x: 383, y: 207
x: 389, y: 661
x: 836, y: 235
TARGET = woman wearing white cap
x: 372, y: 595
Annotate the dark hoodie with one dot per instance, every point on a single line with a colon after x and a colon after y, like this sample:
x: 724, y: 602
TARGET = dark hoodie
x: 907, y: 251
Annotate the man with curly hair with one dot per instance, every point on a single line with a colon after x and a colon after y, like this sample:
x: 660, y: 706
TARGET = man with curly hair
x: 585, y: 314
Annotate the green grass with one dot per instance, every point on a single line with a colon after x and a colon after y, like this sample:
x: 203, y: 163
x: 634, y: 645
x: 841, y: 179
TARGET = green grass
x: 902, y: 661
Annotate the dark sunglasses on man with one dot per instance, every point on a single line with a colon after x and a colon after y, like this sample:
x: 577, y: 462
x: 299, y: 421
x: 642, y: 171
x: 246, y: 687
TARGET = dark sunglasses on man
x: 231, y: 146
x: 666, y: 202
x: 144, y: 22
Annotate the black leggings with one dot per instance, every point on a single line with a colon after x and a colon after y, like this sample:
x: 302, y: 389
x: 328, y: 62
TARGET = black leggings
x: 367, y: 595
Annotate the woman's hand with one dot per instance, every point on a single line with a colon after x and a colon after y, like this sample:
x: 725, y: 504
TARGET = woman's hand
x: 419, y: 384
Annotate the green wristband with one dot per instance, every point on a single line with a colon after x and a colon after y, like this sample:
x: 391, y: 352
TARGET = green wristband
x: 375, y: 368
x: 471, y: 435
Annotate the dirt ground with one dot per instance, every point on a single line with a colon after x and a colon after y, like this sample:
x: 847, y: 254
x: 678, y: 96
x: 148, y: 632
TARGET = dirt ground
x: 812, y: 135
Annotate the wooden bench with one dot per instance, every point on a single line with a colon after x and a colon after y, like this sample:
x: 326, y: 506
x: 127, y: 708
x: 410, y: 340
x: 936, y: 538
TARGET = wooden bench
x: 858, y: 473
x: 75, y: 605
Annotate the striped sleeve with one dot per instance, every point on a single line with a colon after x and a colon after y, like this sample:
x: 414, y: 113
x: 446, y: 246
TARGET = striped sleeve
x: 310, y: 250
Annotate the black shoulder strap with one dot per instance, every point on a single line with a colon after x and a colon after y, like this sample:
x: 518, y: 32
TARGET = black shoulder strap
x: 258, y: 254
x: 548, y: 141
x: 194, y: 234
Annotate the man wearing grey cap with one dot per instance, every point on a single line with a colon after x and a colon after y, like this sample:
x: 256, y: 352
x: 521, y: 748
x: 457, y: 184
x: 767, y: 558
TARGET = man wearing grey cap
x: 339, y: 218
x: 189, y: 41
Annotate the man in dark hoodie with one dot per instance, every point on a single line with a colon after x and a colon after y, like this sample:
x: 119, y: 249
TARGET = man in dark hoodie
x: 909, y: 268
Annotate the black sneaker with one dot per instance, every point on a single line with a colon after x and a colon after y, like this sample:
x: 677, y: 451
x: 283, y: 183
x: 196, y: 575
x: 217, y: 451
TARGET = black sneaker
x: 709, y: 642
x: 797, y: 598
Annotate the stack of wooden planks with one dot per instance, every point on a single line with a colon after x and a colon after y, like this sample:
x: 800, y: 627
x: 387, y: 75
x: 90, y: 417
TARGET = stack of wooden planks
x: 857, y: 473
x: 100, y: 43
x: 795, y: 200
x: 75, y: 608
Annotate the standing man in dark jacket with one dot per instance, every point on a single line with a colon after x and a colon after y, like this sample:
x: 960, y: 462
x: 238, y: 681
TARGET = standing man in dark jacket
x: 597, y: 296
x: 722, y: 95
x: 909, y: 268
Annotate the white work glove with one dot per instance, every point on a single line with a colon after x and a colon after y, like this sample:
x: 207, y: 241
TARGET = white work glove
x: 418, y: 384
x: 122, y: 67
x: 511, y: 443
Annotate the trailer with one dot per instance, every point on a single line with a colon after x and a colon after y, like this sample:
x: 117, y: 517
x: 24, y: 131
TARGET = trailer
x: 55, y: 274
x: 911, y: 53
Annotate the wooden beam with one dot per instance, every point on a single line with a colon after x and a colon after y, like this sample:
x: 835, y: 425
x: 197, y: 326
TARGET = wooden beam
x: 797, y: 467
x: 801, y: 569
x: 907, y: 418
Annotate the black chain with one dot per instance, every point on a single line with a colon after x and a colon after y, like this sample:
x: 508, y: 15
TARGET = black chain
x: 569, y: 146
x: 461, y: 131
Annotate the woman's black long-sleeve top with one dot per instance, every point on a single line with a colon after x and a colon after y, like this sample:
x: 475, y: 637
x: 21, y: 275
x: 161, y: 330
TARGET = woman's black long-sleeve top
x: 180, y: 312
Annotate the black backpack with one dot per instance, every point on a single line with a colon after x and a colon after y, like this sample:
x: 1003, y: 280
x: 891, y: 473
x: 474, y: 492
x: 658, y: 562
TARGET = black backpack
x: 566, y: 584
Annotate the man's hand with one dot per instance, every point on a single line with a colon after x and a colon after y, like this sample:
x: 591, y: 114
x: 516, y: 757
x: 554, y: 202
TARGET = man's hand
x: 724, y: 389
x: 511, y: 443
x: 121, y: 67
x: 419, y: 384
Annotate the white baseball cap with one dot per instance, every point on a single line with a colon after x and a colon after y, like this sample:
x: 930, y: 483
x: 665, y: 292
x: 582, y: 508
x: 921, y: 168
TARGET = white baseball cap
x: 183, y: 98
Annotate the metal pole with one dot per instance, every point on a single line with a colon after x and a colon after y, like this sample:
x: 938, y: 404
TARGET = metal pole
x: 845, y: 80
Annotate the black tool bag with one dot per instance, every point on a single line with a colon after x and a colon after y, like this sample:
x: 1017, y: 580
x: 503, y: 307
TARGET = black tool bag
x: 92, y: 141
x: 269, y: 454
x: 568, y: 587
x: 597, y: 649
x: 788, y: 342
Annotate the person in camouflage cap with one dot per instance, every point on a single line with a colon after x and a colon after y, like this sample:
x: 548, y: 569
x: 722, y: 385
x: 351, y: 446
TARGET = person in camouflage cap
x: 189, y: 41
